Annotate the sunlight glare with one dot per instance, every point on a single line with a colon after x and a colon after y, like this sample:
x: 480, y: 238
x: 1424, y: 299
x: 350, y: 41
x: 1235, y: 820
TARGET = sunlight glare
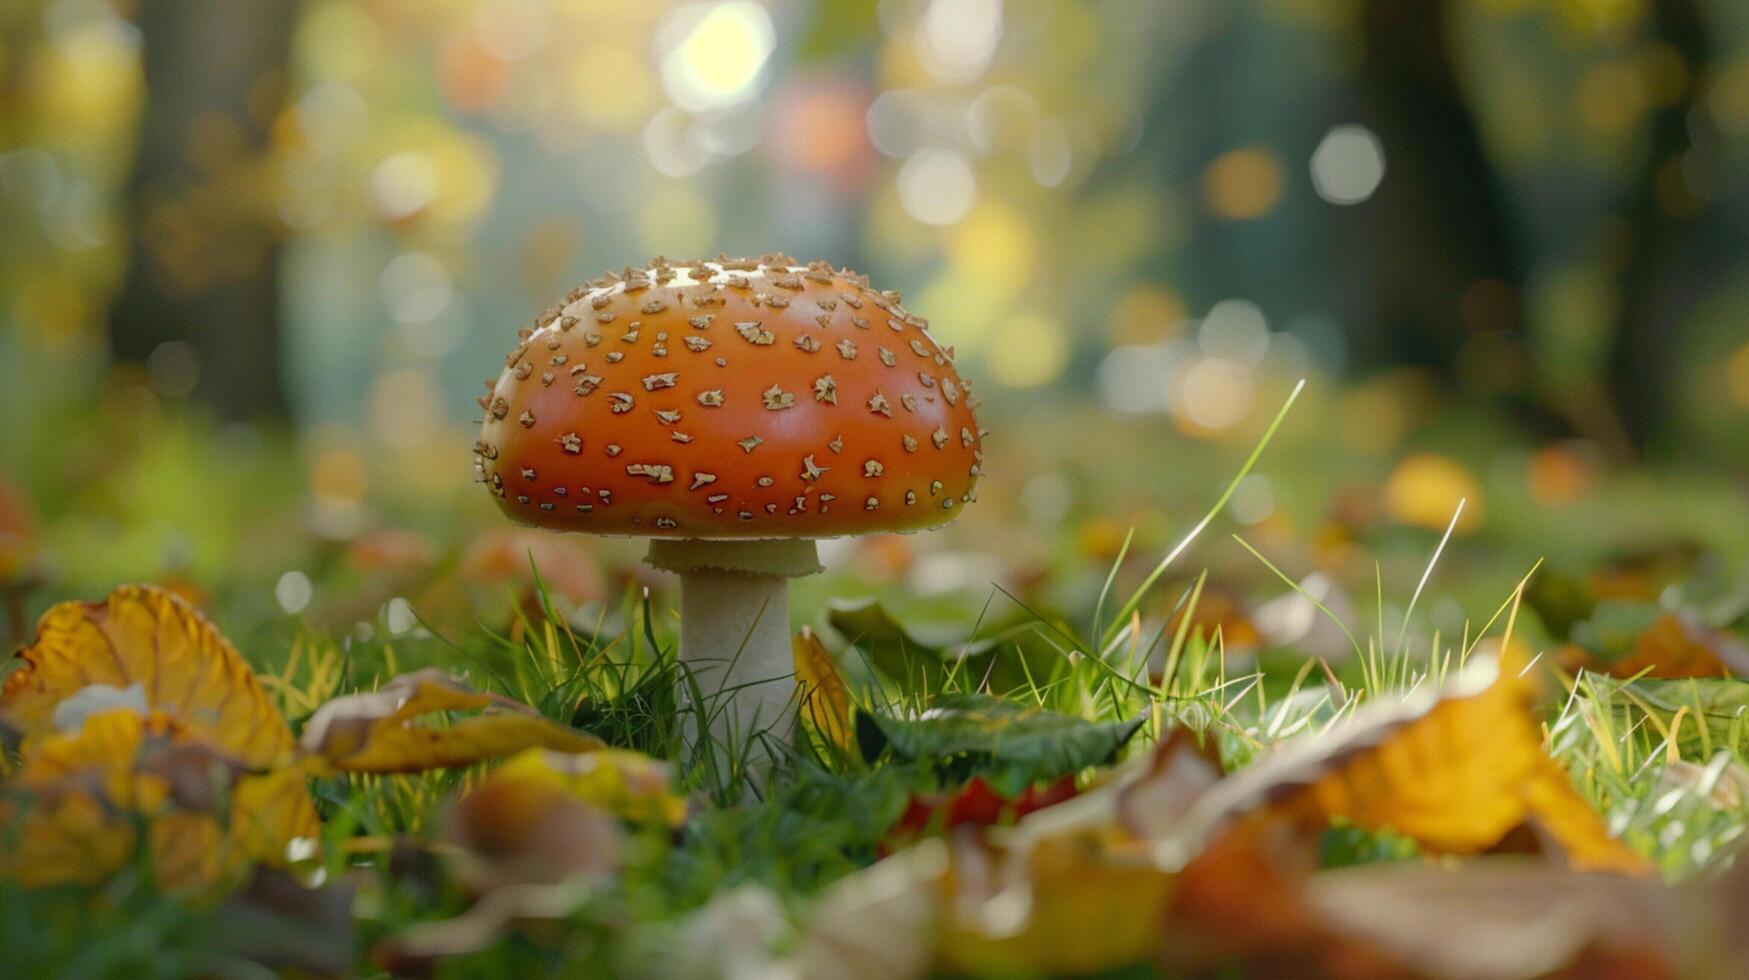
x: 718, y: 60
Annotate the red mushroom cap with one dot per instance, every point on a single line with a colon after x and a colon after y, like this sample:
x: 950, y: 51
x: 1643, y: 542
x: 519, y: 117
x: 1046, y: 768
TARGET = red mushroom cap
x: 730, y: 399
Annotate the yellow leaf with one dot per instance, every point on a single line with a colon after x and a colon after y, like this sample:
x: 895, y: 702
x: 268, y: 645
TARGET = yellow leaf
x: 628, y: 784
x: 1424, y: 490
x: 76, y: 806
x: 825, y: 699
x: 376, y: 731
x: 1064, y: 907
x: 146, y: 636
x: 1454, y: 769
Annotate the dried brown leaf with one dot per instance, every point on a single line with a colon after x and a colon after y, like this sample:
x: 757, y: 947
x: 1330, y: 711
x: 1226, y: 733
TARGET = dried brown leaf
x: 380, y: 732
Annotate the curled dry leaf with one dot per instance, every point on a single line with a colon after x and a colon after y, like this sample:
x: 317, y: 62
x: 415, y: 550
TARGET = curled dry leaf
x: 1066, y: 905
x: 81, y: 799
x: 1179, y: 770
x: 1674, y: 645
x: 1069, y: 888
x: 1168, y: 849
x: 415, y: 951
x: 136, y: 711
x: 732, y: 937
x: 1248, y: 905
x: 1502, y: 919
x: 528, y: 848
x: 1455, y: 769
x: 513, y: 830
x: 147, y: 636
x: 825, y: 698
x: 1238, y: 907
x: 880, y: 923
x: 377, y: 731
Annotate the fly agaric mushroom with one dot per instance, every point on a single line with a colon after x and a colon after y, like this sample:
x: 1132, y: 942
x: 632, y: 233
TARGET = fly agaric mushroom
x: 733, y: 411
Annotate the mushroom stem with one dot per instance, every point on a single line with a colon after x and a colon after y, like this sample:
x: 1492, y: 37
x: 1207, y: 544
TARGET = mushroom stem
x: 734, y: 628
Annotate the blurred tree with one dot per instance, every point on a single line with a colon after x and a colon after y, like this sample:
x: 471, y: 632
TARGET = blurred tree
x: 1447, y: 264
x: 202, y: 266
x: 1671, y: 254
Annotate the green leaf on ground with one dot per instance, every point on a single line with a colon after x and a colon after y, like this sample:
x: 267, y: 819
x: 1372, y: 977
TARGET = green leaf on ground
x: 978, y: 732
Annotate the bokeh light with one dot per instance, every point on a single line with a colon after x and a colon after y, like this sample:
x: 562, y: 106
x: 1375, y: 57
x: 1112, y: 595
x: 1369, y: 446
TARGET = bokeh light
x: 957, y: 38
x: 1425, y: 489
x: 1033, y: 351
x: 715, y: 53
x: 1348, y: 165
x: 1737, y: 376
x: 1243, y: 184
x: 937, y: 186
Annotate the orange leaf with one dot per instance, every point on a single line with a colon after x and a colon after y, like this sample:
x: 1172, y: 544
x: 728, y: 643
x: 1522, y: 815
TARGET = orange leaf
x: 1455, y: 770
x: 146, y: 636
x: 376, y: 732
x: 1675, y: 645
x: 825, y: 699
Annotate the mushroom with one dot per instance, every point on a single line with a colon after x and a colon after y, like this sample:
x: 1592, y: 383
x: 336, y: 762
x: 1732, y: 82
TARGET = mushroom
x: 733, y: 411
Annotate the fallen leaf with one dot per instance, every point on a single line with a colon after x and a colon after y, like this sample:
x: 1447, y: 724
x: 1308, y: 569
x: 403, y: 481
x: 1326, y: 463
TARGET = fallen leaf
x: 1180, y: 769
x: 1723, y: 783
x: 137, y: 709
x: 79, y: 801
x: 881, y: 923
x: 1169, y: 863
x: 731, y: 938
x: 978, y: 732
x: 1502, y: 919
x: 1455, y: 769
x: 528, y: 850
x: 825, y: 699
x: 1065, y: 906
x: 627, y: 784
x: 146, y: 636
x: 377, y: 731
x: 975, y: 804
x: 1239, y: 907
x: 1010, y: 655
x: 1218, y: 610
x: 1674, y: 645
x: 417, y: 949
x: 1069, y: 888
x: 515, y: 831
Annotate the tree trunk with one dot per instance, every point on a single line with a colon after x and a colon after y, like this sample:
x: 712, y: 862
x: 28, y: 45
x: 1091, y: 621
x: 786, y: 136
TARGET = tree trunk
x: 203, y: 257
x: 1658, y: 278
x: 1446, y: 258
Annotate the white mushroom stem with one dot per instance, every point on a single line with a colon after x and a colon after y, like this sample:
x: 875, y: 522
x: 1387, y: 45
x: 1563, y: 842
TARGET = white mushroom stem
x: 734, y: 628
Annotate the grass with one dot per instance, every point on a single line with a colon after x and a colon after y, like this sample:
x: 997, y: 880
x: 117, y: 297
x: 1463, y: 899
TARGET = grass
x: 818, y: 818
x: 1661, y: 762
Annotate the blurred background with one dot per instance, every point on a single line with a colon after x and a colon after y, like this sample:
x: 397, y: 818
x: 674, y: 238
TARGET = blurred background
x: 256, y: 257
